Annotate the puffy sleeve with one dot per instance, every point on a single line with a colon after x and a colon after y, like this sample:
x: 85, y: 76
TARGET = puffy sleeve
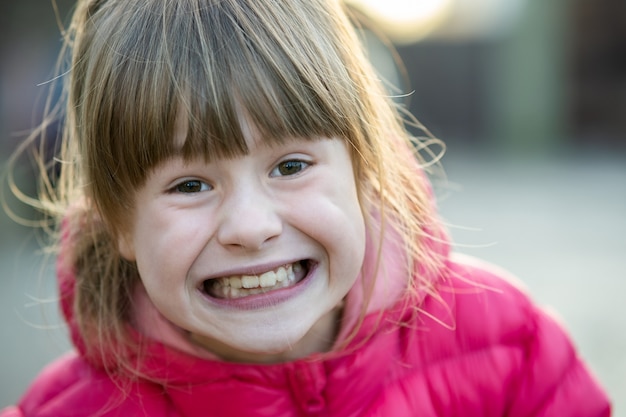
x: 534, y: 368
x: 555, y: 381
x: 11, y: 412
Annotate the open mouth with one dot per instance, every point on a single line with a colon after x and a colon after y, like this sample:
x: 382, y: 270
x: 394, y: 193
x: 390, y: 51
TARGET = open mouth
x: 240, y: 286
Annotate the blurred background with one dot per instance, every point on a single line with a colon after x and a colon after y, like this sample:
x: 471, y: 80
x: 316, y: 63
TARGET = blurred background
x: 530, y: 98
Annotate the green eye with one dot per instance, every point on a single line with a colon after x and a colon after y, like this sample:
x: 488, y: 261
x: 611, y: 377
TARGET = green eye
x: 287, y: 168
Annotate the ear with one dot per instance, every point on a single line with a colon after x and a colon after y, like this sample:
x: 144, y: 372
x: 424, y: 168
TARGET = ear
x: 126, y: 247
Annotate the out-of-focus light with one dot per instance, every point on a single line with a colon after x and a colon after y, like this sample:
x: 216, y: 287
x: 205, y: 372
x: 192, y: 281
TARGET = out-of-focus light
x: 481, y: 19
x: 404, y: 20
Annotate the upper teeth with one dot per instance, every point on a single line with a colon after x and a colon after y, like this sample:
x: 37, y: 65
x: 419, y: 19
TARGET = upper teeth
x: 267, y: 279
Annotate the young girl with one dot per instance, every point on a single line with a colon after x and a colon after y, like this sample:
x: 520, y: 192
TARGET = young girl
x: 245, y: 232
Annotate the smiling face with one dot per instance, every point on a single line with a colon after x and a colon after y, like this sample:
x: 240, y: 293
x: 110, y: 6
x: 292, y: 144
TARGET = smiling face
x: 251, y: 255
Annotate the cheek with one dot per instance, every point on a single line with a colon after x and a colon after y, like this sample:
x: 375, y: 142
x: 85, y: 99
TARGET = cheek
x: 345, y: 237
x: 165, y: 245
x: 356, y: 248
x: 355, y: 229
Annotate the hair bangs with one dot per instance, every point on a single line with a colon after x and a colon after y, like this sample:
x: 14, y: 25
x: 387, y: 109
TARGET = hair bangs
x: 245, y: 69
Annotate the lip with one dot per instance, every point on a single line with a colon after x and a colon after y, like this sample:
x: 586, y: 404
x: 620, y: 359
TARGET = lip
x: 268, y: 299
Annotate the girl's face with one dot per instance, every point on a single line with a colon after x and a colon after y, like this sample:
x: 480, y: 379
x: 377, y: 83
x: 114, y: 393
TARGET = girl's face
x: 251, y: 256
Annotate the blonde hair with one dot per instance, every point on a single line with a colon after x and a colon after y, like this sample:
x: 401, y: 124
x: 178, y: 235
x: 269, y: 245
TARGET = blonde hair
x: 297, y: 69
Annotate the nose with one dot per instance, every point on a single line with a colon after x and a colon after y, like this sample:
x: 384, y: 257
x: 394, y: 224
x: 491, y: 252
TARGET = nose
x: 248, y: 219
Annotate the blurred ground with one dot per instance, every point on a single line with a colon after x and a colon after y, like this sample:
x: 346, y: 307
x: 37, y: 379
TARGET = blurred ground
x: 559, y: 224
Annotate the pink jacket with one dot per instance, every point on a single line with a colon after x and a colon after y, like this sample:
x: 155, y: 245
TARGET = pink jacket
x: 479, y: 348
